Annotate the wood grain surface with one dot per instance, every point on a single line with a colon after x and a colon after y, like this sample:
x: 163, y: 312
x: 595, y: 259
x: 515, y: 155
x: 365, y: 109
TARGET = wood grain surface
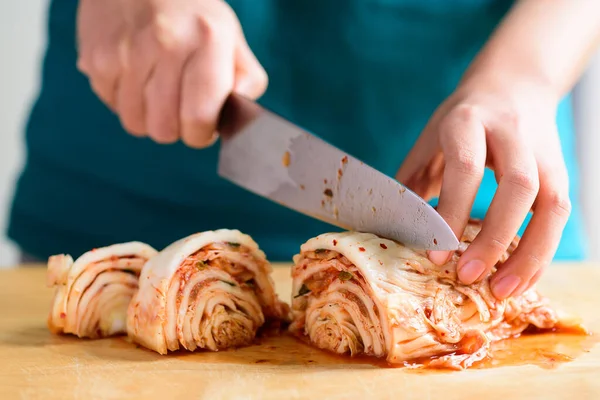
x: 35, y: 364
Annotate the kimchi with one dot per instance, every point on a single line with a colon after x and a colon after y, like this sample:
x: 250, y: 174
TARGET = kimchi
x: 92, y: 293
x: 211, y: 290
x: 355, y: 293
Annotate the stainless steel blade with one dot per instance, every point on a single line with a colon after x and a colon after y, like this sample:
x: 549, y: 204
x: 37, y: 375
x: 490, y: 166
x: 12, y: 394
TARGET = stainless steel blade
x: 272, y: 157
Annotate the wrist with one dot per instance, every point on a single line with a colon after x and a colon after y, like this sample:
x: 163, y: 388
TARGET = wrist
x: 520, y: 87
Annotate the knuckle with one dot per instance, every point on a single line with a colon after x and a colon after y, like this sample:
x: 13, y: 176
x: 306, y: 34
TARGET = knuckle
x: 164, y: 137
x: 131, y: 124
x: 170, y: 35
x: 525, y: 180
x: 459, y: 152
x: 252, y: 86
x: 197, y: 131
x: 459, y: 117
x: 136, y: 131
x: 512, y: 119
x: 103, y: 64
x: 465, y: 113
x: 163, y: 129
x: 207, y: 28
x: 560, y: 203
x: 197, y: 141
x: 492, y: 246
x: 465, y: 162
x: 83, y: 65
x: 497, y: 245
x: 535, y: 263
x: 218, y: 27
x: 196, y: 117
x: 534, y: 260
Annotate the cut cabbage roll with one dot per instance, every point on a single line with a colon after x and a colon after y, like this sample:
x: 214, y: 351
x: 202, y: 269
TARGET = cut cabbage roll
x: 355, y: 293
x: 92, y: 293
x: 211, y: 290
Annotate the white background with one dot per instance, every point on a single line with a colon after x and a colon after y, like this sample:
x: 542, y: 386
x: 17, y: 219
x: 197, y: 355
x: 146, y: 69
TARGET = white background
x: 22, y: 41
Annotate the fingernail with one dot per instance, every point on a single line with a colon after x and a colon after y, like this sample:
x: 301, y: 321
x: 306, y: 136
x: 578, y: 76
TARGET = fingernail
x: 505, y: 286
x: 470, y: 271
x: 438, y: 257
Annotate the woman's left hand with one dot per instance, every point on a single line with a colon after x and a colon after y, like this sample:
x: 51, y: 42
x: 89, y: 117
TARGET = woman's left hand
x: 510, y: 127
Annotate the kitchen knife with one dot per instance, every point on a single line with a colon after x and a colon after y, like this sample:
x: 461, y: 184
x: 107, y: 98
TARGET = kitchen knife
x: 271, y: 157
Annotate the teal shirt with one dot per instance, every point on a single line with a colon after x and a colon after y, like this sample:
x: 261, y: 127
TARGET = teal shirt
x: 363, y: 74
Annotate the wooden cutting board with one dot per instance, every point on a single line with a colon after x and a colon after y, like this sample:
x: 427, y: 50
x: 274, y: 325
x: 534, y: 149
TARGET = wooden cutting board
x: 35, y: 364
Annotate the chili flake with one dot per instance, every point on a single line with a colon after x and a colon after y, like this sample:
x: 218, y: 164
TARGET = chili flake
x: 286, y: 159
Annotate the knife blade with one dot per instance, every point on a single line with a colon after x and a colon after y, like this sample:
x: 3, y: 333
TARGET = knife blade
x: 271, y: 157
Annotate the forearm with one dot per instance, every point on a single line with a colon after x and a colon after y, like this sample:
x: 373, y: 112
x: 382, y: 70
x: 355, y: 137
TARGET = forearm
x: 541, y: 41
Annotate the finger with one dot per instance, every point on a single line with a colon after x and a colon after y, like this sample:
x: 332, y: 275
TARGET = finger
x: 427, y: 181
x: 164, y: 91
x: 463, y: 142
x: 103, y: 69
x: 137, y: 64
x: 163, y: 96
x: 251, y: 79
x: 207, y: 81
x: 517, y: 189
x: 541, y: 238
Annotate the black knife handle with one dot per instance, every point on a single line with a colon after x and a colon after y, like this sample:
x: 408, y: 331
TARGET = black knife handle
x: 236, y: 113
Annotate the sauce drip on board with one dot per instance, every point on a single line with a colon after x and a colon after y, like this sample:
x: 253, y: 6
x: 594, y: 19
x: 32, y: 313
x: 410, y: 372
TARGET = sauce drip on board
x: 547, y: 350
x: 544, y: 350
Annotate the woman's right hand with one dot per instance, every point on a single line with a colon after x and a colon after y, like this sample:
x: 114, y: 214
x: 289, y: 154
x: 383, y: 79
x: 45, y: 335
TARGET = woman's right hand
x: 166, y: 66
